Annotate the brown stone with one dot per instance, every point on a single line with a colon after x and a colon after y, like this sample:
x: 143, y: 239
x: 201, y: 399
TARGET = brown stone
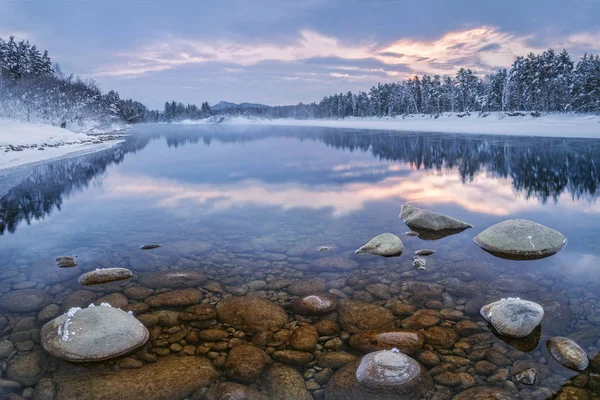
x: 422, y: 319
x: 407, y: 341
x: 245, y: 363
x: 356, y: 316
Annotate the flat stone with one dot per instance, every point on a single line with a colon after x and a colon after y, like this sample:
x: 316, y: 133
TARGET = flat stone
x: 333, y: 264
x: 93, y: 334
x: 251, y: 314
x: 513, y: 317
x: 66, y: 261
x: 314, y: 304
x: 335, y: 359
x: 422, y: 319
x: 407, y: 341
x: 245, y: 363
x: 24, y: 301
x: 169, y: 378
x: 427, y: 220
x: 424, y: 252
x: 441, y: 337
x: 137, y: 292
x: 150, y: 246
x: 199, y: 312
x: 485, y: 393
x: 282, y: 382
x: 175, y: 298
x: 293, y: 357
x: 356, y: 316
x: 307, y: 286
x: 104, y: 275
x: 568, y: 353
x: 27, y: 369
x: 175, y: 279
x: 233, y: 391
x: 304, y: 338
x: 519, y: 238
x: 386, y: 244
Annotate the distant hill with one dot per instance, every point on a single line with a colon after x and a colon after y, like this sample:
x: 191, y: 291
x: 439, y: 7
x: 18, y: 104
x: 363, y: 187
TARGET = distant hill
x: 225, y: 105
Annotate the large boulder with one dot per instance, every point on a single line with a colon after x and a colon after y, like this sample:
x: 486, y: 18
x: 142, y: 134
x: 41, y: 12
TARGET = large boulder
x: 386, y: 244
x: 105, y: 275
x: 233, y: 391
x: 568, y: 353
x: 93, y: 334
x: 284, y: 383
x: 381, y: 375
x: 175, y: 279
x: 520, y: 239
x: 513, y: 317
x: 426, y: 220
x: 251, y: 314
x: 169, y: 378
x: 356, y: 316
x: 24, y: 301
x: 407, y: 341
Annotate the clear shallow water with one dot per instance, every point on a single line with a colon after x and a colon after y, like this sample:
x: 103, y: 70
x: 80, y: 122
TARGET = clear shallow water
x: 250, y: 205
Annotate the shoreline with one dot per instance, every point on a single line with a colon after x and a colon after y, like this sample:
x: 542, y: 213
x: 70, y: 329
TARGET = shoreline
x: 584, y: 126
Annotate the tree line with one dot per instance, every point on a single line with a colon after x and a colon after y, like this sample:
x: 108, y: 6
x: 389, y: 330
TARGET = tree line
x: 546, y: 82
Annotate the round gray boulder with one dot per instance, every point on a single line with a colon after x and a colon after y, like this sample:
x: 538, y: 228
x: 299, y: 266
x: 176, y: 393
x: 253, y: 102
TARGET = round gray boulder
x: 105, y: 275
x: 93, y: 334
x: 520, y: 239
x: 513, y: 317
x: 568, y: 353
x: 386, y: 244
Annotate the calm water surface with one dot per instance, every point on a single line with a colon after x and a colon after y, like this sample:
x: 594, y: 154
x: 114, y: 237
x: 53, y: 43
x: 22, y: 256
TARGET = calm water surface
x: 250, y: 206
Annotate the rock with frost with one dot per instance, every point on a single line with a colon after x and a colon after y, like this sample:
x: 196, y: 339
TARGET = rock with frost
x: 105, y: 275
x: 426, y: 220
x: 513, y: 317
x: 93, y: 334
x: 380, y: 375
x: 568, y: 353
x: 520, y: 238
x: 386, y: 244
x: 419, y: 263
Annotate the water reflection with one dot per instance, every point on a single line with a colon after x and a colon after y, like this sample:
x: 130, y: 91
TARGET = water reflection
x: 474, y: 172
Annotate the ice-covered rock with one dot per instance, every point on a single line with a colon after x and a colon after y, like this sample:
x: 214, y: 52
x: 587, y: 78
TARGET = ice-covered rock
x: 427, y: 220
x: 520, y: 238
x: 386, y: 244
x: 93, y: 334
x: 513, y: 317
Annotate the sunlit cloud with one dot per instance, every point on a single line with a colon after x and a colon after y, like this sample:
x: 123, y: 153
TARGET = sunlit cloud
x: 485, y: 194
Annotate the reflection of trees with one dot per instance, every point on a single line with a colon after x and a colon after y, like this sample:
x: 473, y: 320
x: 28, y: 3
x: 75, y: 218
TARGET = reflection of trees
x: 45, y: 186
x: 538, y: 167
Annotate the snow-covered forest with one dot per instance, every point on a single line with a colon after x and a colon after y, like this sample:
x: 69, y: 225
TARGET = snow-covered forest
x: 547, y: 82
x: 32, y: 89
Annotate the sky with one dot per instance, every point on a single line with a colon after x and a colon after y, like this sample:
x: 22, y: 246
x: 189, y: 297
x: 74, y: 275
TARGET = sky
x: 283, y: 52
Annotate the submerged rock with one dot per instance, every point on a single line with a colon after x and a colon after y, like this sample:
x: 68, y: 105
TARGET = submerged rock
x: 93, y: 334
x: 175, y: 298
x: 251, y: 314
x: 427, y: 220
x: 355, y: 316
x: 424, y: 252
x: 314, y: 304
x: 150, y: 246
x: 282, y: 382
x: 568, y: 353
x: 24, y: 301
x: 233, y: 391
x: 519, y: 238
x: 407, y: 341
x: 245, y: 363
x: 66, y: 262
x: 105, y: 275
x: 169, y: 378
x: 386, y: 244
x: 332, y: 264
x: 513, y: 317
x: 485, y: 393
x: 175, y: 279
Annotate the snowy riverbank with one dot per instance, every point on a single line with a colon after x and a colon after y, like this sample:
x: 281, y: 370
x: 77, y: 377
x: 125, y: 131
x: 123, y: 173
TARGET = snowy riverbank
x: 24, y: 143
x: 550, y: 125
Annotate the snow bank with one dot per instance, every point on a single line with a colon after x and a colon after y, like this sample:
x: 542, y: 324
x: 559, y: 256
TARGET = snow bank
x: 23, y: 143
x: 550, y: 125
